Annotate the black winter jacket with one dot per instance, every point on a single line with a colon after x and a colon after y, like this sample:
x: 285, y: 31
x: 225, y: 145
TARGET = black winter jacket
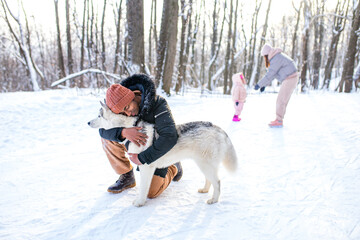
x: 153, y: 109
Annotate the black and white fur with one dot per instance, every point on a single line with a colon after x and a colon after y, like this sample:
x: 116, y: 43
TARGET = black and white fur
x: 207, y: 144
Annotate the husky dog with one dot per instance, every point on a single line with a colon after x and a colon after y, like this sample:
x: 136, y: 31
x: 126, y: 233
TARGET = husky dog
x: 208, y: 145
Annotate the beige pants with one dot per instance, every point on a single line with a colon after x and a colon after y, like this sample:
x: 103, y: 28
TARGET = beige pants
x: 286, y: 89
x: 115, y: 152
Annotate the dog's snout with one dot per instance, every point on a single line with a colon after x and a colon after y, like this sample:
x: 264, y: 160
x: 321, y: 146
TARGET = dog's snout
x: 89, y: 123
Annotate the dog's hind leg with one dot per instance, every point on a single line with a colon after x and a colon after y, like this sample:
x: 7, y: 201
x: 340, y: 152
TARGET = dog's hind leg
x: 211, y: 176
x: 146, y: 175
x: 206, y: 187
x: 216, y: 194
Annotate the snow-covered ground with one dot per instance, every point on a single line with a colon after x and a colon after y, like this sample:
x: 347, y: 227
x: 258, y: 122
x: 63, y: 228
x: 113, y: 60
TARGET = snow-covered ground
x: 299, y: 182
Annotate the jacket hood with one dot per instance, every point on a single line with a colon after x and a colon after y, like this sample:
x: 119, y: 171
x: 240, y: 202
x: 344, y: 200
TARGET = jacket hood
x: 274, y: 51
x: 236, y: 78
x: 146, y: 85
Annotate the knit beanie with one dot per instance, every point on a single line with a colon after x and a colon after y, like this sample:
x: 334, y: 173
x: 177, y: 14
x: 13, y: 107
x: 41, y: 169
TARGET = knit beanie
x: 118, y: 97
x: 266, y: 49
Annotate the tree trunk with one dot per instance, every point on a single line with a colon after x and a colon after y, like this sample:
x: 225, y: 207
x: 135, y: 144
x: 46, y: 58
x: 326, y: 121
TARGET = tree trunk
x: 24, y: 50
x: 68, y: 39
x: 339, y: 25
x: 294, y: 39
x: 349, y: 60
x: 90, y: 40
x: 118, y: 41
x: 262, y: 42
x: 193, y: 39
x: 245, y: 55
x: 215, y: 43
x: 61, y: 63
x: 155, y: 34
x: 82, y: 46
x: 202, y: 70
x: 189, y: 39
x: 161, y: 47
x: 228, y: 49
x: 318, y: 25
x: 305, y: 46
x: 171, y: 9
x: 181, y: 72
x: 103, y: 47
x: 214, y: 57
x: 233, y: 47
x: 214, y: 39
x: 152, y: 23
x: 251, y: 56
x: 135, y: 21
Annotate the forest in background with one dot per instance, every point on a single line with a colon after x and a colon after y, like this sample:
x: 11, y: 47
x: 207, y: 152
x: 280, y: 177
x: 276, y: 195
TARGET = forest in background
x: 180, y: 43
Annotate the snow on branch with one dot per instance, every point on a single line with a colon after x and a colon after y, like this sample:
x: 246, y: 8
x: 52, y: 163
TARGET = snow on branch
x: 74, y: 75
x: 222, y: 69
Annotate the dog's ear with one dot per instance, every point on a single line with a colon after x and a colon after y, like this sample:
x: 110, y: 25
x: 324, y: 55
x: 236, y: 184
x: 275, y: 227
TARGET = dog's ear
x: 103, y: 105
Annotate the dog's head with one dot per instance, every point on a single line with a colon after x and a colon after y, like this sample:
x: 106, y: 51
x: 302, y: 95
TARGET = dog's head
x: 107, y: 119
x: 102, y: 120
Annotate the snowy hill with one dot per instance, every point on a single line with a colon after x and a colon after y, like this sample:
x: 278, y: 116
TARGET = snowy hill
x: 299, y: 182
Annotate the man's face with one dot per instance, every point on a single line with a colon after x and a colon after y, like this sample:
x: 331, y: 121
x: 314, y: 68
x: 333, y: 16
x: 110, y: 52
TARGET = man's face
x: 131, y: 110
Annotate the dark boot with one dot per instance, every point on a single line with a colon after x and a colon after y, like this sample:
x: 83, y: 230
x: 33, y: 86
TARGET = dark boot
x: 125, y: 181
x: 179, y: 173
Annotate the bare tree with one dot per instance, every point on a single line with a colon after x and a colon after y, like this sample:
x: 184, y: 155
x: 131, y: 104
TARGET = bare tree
x: 349, y: 60
x: 250, y: 62
x: 216, y: 53
x: 167, y: 44
x: 338, y: 27
x: 135, y: 23
x: 294, y: 38
x: 194, y: 37
x: 166, y: 48
x: 202, y: 69
x: 152, y: 33
x: 228, y: 50
x: 318, y: 25
x: 89, y: 38
x: 262, y: 42
x: 103, y: 47
x: 182, y: 54
x: 245, y: 55
x: 82, y: 46
x: 214, y: 39
x: 61, y: 62
x: 118, y: 41
x: 305, y: 45
x: 22, y: 40
x: 68, y: 38
x: 233, y: 47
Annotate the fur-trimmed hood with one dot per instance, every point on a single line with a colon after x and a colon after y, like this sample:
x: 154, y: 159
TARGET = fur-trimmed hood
x: 146, y: 85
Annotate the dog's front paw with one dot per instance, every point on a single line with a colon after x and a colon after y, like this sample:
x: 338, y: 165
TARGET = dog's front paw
x: 211, y: 201
x: 139, y: 203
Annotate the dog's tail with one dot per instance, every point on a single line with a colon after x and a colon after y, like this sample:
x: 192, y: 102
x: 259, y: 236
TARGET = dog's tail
x: 230, y: 161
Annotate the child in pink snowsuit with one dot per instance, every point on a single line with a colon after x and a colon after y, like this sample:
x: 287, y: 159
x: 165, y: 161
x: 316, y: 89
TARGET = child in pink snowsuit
x: 238, y: 93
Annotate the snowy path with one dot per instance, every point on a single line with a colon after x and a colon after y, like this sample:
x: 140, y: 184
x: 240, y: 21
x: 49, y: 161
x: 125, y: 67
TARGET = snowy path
x: 299, y: 182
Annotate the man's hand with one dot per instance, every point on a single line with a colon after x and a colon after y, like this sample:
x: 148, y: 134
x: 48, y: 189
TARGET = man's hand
x: 134, y: 158
x: 134, y: 135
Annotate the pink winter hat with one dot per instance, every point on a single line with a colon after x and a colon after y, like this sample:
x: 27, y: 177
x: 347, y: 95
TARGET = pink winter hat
x: 266, y: 49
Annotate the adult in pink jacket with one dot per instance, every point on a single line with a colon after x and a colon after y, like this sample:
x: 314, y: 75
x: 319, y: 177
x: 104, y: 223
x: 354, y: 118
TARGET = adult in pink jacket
x: 281, y: 67
x: 238, y: 93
